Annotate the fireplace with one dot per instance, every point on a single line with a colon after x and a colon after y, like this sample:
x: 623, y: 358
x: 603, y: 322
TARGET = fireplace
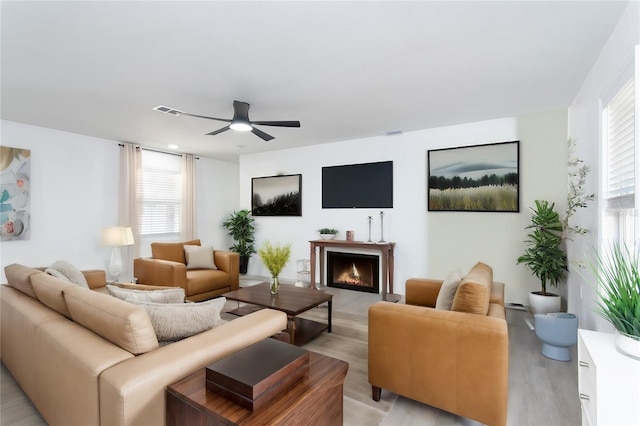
x: 353, y: 271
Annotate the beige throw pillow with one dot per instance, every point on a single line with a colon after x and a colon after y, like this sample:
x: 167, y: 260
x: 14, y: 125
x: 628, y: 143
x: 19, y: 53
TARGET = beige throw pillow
x: 175, y: 321
x: 448, y: 291
x: 168, y: 295
x: 66, y: 271
x: 199, y: 257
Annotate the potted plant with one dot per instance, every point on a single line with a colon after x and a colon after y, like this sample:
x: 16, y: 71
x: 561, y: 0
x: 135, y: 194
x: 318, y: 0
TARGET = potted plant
x: 545, y: 256
x: 241, y: 227
x: 274, y: 258
x: 327, y: 233
x: 617, y: 272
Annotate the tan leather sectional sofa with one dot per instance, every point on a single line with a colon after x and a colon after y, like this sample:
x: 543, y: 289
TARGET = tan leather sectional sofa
x: 86, y: 358
x: 455, y: 360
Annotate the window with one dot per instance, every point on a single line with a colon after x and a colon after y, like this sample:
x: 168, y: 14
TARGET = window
x: 159, y: 189
x: 619, y: 166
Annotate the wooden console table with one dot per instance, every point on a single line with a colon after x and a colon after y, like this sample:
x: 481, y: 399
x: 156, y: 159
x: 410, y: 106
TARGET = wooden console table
x: 386, y: 253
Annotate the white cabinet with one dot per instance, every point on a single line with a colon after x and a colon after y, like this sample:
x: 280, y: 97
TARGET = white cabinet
x: 608, y: 382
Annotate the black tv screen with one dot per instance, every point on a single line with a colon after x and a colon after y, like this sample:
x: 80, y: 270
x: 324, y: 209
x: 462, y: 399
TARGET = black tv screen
x: 367, y: 185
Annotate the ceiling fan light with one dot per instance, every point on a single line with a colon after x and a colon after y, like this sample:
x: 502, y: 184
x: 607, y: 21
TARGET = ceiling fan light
x: 241, y: 126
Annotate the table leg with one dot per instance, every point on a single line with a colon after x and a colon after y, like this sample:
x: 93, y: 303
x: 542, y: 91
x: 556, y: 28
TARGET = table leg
x: 291, y: 328
x: 312, y: 259
x: 329, y: 319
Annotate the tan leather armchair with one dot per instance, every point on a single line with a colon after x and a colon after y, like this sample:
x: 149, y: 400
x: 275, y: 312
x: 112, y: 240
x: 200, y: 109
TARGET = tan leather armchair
x: 456, y: 361
x: 168, y: 267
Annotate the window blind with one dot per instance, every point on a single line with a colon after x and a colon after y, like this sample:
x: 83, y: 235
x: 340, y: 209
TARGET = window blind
x: 620, y: 131
x: 159, y: 193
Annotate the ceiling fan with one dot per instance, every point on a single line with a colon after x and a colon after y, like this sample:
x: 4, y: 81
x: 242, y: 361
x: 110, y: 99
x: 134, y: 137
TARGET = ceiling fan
x: 239, y: 122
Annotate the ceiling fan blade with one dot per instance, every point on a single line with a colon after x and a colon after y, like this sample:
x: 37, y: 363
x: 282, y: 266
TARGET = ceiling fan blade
x: 277, y: 123
x: 215, y: 132
x: 226, y: 120
x: 261, y: 134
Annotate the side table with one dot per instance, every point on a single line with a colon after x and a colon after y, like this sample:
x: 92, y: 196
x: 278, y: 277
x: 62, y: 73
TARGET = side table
x: 315, y: 399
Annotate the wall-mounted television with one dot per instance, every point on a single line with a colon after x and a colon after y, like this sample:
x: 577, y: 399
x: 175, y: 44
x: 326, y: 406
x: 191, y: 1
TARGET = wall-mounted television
x: 366, y: 185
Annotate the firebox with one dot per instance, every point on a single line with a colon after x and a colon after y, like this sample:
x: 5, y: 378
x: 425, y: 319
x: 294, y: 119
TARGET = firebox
x: 353, y: 271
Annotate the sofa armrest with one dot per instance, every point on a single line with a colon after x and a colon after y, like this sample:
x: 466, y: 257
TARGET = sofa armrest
x: 160, y: 272
x: 229, y: 262
x: 95, y: 278
x: 422, y: 291
x: 455, y: 361
x: 133, y: 392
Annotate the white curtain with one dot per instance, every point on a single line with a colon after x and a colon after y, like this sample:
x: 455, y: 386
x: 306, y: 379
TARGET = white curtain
x: 130, y: 164
x: 188, y: 226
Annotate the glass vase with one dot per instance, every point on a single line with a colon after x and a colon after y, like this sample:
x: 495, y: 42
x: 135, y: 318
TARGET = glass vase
x: 275, y: 285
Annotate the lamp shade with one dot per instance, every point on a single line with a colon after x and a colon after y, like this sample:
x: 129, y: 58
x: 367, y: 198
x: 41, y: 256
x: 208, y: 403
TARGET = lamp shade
x: 115, y: 236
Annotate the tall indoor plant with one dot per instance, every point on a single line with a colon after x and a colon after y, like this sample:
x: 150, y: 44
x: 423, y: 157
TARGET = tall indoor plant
x: 544, y: 255
x: 241, y: 227
x: 617, y: 271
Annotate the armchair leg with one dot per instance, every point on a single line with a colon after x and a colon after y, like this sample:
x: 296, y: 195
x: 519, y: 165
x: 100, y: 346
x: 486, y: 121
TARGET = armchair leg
x: 376, y: 392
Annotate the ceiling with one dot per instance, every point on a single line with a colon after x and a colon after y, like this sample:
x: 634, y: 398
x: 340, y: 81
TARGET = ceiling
x: 345, y: 70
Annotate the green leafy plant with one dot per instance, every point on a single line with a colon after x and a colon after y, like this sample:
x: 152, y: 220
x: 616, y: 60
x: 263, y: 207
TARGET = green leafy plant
x: 618, y: 275
x: 544, y: 254
x: 241, y: 227
x: 274, y: 257
x: 577, y: 197
x: 328, y: 231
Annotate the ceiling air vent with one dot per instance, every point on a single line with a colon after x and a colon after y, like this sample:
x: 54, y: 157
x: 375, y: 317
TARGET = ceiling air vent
x: 167, y: 110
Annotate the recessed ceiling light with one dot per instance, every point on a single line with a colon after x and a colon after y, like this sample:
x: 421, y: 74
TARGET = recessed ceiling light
x: 172, y: 146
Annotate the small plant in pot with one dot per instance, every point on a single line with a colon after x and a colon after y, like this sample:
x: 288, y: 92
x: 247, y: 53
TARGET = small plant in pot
x: 617, y: 271
x: 328, y: 233
x: 544, y: 256
x: 241, y: 227
x: 274, y: 258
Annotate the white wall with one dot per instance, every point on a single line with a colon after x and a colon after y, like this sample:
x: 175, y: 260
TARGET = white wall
x: 428, y: 244
x: 74, y: 194
x: 613, y: 66
x: 216, y: 197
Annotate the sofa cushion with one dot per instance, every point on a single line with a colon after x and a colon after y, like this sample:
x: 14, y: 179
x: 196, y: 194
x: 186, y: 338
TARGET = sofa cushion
x: 122, y: 323
x: 205, y: 280
x: 50, y: 292
x: 175, y: 321
x: 448, y: 291
x: 173, y: 252
x: 66, y: 271
x: 472, y: 295
x: 165, y: 295
x: 199, y: 257
x: 19, y: 277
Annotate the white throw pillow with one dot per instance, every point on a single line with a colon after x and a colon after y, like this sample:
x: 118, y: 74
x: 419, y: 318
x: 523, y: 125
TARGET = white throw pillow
x: 448, y: 291
x: 175, y: 321
x: 199, y: 257
x: 67, y: 272
x: 169, y: 295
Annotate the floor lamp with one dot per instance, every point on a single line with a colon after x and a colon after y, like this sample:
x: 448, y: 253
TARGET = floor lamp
x: 116, y: 237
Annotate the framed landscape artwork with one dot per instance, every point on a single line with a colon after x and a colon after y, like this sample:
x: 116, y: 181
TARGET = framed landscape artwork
x: 276, y: 195
x: 478, y: 178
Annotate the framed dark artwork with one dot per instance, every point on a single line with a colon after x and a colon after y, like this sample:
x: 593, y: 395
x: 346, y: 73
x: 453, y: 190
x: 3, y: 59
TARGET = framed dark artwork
x: 477, y: 178
x: 276, y: 195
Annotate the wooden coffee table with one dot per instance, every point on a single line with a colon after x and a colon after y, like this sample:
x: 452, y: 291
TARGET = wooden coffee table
x: 291, y: 300
x: 315, y: 399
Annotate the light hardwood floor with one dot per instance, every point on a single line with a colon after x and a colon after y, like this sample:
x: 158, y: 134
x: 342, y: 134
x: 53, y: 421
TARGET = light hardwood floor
x: 541, y: 391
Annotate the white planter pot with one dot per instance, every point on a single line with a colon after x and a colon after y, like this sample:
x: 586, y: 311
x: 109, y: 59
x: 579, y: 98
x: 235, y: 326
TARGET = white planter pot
x: 544, y: 304
x: 628, y: 345
x: 327, y: 236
